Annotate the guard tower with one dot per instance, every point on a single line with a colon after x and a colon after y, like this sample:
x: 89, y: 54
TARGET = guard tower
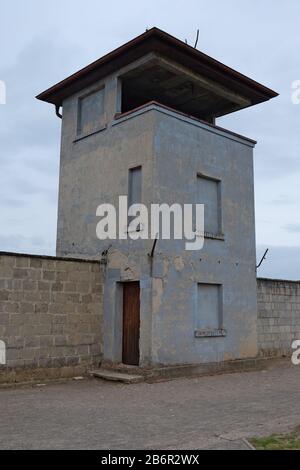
x: 141, y: 121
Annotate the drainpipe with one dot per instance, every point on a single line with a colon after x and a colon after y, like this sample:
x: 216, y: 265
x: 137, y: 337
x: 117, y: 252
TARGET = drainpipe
x: 58, y: 114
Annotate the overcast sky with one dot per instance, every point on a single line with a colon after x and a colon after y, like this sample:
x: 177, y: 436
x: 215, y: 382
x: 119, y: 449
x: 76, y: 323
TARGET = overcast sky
x: 43, y: 41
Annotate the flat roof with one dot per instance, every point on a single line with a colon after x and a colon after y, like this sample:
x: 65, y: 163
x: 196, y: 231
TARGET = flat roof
x: 156, y: 40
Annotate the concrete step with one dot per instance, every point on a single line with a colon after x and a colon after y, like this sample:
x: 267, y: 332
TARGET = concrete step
x: 107, y: 374
x: 133, y: 374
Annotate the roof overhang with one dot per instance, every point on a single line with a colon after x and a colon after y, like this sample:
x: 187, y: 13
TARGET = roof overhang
x: 211, y: 72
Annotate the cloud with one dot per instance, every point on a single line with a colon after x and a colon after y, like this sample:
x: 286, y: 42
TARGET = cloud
x: 293, y: 228
x: 282, y: 200
x: 18, y: 243
x: 10, y: 202
x: 30, y: 146
x: 282, y: 262
x: 26, y: 123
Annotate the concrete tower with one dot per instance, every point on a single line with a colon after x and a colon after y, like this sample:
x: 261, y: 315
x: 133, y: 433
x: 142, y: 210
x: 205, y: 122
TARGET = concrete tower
x: 140, y: 122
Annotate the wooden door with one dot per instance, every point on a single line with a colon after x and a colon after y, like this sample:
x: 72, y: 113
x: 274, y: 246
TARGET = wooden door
x: 131, y: 323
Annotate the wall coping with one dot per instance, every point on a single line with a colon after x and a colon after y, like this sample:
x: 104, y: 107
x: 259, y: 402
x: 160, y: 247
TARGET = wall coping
x: 285, y: 281
x: 48, y: 257
x: 154, y: 105
x: 85, y: 260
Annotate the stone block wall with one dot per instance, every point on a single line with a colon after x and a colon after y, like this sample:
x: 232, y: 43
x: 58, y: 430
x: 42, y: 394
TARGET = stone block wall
x: 50, y: 316
x: 278, y: 316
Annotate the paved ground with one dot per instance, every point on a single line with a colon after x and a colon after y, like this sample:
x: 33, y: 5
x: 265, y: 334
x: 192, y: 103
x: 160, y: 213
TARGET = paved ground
x: 203, y: 413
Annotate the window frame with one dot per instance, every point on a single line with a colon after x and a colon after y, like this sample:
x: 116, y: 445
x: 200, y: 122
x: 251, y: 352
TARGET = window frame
x: 129, y: 188
x: 99, y: 125
x: 220, y: 234
x: 220, y: 331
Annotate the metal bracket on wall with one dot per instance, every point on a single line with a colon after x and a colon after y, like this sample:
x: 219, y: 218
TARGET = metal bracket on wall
x: 263, y: 259
x: 153, y: 248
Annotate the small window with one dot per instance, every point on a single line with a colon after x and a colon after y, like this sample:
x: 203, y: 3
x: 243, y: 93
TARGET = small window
x: 2, y: 353
x: 135, y: 186
x: 134, y: 189
x: 209, y: 194
x: 209, y: 307
x: 90, y: 112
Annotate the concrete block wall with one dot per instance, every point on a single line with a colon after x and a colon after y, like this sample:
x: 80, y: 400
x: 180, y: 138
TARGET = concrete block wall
x: 50, y: 316
x: 278, y: 316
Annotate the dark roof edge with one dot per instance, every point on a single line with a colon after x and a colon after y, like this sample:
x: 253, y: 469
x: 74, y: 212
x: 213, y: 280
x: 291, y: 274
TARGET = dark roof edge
x: 49, y: 94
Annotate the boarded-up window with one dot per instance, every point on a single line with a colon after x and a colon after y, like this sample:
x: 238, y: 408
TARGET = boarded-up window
x: 135, y: 186
x: 209, y: 307
x: 91, y: 112
x: 134, y: 189
x: 2, y: 353
x: 208, y: 193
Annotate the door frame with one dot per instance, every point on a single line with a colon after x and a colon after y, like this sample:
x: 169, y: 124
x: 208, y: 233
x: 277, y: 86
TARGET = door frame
x: 132, y: 361
x: 112, y: 323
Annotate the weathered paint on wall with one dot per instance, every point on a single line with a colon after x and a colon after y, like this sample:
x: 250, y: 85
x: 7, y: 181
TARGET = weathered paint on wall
x: 172, y: 150
x: 185, y: 149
